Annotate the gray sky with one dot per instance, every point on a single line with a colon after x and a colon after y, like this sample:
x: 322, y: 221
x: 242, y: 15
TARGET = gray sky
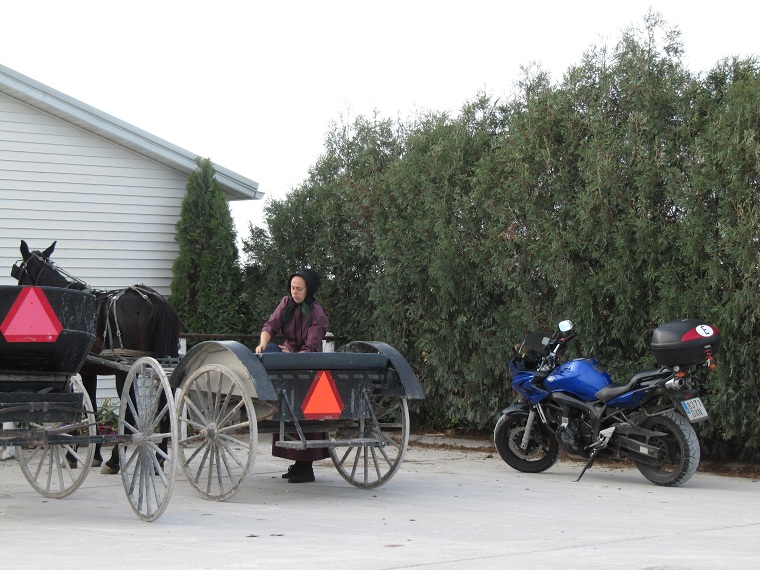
x: 255, y: 85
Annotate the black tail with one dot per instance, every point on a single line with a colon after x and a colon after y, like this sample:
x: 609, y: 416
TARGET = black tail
x: 165, y: 328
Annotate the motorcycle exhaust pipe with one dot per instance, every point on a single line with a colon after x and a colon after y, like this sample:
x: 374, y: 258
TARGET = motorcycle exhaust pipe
x: 675, y: 384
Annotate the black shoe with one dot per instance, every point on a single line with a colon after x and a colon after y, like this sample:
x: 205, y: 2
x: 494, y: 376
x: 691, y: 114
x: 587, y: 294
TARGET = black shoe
x: 305, y: 476
x: 301, y: 472
x: 292, y: 470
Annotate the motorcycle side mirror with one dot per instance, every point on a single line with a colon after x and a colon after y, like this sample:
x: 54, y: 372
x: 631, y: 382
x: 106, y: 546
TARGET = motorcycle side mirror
x: 565, y: 326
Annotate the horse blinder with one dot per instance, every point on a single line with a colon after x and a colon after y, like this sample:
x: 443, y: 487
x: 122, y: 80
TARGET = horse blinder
x: 16, y: 271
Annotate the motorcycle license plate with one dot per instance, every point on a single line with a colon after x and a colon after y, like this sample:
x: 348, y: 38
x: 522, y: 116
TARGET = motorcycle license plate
x: 695, y: 409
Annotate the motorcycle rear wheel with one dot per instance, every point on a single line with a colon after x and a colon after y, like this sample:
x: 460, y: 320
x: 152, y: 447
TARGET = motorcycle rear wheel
x: 679, y: 450
x: 542, y: 451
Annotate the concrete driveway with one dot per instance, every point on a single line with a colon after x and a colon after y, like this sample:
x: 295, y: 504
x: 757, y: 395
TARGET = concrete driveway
x: 446, y: 509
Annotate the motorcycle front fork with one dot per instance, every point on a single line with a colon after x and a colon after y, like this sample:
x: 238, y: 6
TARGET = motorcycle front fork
x: 528, y: 429
x: 537, y: 409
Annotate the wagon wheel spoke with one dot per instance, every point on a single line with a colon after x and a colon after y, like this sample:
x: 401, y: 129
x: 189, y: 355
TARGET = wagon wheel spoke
x: 229, y: 416
x: 148, y: 413
x: 227, y: 439
x: 385, y: 429
x: 220, y: 434
x: 58, y: 469
x: 227, y: 444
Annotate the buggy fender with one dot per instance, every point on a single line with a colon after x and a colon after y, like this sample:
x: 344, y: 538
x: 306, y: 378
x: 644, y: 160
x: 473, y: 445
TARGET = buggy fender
x: 235, y: 356
x: 399, y: 367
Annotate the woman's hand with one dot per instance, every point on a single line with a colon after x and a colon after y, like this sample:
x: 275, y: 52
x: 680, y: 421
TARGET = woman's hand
x: 263, y: 341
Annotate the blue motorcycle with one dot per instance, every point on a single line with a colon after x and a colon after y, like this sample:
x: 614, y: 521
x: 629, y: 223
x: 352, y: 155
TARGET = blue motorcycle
x: 576, y: 409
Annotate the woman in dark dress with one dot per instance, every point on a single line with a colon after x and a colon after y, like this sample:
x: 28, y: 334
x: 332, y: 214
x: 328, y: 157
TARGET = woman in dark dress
x: 302, y: 323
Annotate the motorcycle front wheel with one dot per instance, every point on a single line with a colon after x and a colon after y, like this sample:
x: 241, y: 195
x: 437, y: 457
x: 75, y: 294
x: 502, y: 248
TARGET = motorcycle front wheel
x: 679, y: 450
x: 541, y: 452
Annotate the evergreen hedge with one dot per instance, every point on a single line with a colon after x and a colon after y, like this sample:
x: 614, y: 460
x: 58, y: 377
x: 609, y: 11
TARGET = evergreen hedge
x: 626, y: 195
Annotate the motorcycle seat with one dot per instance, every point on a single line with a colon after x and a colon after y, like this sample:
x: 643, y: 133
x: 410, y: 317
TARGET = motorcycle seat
x: 612, y: 391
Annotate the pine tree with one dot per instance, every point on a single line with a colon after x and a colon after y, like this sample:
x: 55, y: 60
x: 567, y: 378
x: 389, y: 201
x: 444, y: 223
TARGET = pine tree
x: 206, y: 274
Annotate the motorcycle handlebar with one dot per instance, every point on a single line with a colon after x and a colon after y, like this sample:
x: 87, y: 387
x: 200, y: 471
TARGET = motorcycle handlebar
x: 570, y: 337
x: 562, y: 342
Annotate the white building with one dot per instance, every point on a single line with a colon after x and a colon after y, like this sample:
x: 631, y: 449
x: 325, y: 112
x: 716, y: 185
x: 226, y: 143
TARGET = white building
x: 106, y: 191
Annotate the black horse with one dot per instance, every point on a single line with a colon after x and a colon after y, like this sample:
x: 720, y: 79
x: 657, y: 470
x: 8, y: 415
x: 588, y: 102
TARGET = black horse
x: 136, y: 320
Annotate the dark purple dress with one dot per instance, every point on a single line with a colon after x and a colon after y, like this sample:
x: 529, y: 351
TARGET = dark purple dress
x: 299, y: 337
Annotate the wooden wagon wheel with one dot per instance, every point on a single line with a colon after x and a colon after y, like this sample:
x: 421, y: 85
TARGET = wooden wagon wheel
x: 219, y: 434
x: 368, y: 465
x: 148, y: 462
x: 57, y: 470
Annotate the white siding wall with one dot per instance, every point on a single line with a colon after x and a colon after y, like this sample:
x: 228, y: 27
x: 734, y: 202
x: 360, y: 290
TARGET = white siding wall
x: 112, y: 211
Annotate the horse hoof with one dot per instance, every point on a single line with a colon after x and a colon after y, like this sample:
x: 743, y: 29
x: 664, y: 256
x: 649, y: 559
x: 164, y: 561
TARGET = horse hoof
x: 108, y: 470
x: 97, y: 462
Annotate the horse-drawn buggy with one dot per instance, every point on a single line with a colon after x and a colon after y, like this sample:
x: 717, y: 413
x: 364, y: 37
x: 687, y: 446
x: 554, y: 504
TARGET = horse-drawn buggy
x: 355, y: 397
x: 202, y: 412
x: 46, y: 334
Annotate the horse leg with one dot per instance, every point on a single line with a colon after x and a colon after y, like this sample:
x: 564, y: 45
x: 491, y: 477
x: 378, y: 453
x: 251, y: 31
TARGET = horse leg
x: 90, y: 382
x: 111, y: 467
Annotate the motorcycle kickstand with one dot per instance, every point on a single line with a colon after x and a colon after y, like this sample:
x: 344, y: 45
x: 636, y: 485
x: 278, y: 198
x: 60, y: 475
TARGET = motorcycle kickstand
x: 604, y: 438
x: 588, y: 464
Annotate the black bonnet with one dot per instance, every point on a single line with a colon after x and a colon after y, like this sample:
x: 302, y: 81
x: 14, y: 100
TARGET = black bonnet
x: 312, y: 282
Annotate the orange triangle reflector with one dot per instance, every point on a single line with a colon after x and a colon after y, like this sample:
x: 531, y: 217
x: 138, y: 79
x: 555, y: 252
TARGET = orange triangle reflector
x: 31, y: 318
x: 322, y: 402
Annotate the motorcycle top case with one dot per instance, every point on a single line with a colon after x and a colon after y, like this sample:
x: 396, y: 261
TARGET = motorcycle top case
x: 684, y: 342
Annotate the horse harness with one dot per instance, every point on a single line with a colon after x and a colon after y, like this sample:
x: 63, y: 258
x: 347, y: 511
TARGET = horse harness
x: 106, y: 300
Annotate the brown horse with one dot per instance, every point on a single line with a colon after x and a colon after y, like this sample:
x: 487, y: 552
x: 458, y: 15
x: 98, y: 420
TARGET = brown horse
x: 137, y: 319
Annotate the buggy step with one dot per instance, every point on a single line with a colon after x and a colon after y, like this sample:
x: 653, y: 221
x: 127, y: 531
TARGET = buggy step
x: 317, y: 443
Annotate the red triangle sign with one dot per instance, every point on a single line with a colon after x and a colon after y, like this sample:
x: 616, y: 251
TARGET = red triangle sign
x: 31, y: 318
x: 322, y: 402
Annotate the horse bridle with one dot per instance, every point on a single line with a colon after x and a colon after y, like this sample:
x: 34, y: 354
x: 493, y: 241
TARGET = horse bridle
x: 21, y: 267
